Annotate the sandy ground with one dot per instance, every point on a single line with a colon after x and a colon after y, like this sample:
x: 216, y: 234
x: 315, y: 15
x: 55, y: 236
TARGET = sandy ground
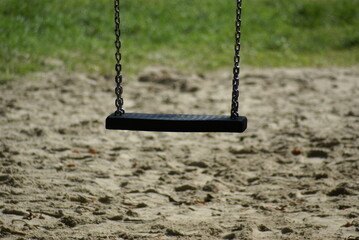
x: 292, y: 175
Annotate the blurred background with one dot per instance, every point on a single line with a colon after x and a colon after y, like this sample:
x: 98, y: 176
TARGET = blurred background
x: 196, y: 35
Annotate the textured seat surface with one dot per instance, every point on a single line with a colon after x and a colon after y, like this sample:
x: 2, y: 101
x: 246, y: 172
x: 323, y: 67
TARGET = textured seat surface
x: 175, y: 122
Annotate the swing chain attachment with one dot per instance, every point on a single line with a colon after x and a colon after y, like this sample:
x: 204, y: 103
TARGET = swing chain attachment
x: 237, y: 58
x: 118, y: 66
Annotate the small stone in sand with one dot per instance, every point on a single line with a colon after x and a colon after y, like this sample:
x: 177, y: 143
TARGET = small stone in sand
x: 79, y: 198
x: 208, y: 198
x: 230, y: 236
x: 141, y: 205
x: 339, y: 190
x: 173, y: 232
x: 116, y: 218
x: 263, y: 228
x: 132, y: 213
x: 69, y: 221
x: 286, y: 230
x: 318, y: 176
x: 105, y: 199
x: 198, y: 164
x: 185, y: 188
x: 317, y: 154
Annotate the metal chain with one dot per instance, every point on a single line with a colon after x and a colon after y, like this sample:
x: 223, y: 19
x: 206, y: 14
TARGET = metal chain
x: 237, y: 58
x: 236, y: 68
x: 118, y: 67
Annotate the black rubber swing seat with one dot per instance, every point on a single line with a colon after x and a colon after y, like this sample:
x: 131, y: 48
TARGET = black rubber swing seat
x: 176, y: 122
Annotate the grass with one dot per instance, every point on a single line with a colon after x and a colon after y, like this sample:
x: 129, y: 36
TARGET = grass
x: 40, y: 35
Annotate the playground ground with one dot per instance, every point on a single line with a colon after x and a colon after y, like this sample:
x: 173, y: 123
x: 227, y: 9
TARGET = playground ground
x: 292, y: 175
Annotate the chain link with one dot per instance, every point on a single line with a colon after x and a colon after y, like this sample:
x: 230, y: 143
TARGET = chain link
x: 118, y: 66
x: 237, y: 58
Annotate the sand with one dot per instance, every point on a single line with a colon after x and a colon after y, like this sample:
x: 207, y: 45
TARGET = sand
x: 294, y: 174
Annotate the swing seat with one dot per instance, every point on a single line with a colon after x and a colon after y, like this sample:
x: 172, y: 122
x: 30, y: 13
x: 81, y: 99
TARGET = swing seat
x: 176, y: 122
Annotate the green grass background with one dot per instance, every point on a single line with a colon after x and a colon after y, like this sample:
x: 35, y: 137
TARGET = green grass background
x: 185, y: 34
